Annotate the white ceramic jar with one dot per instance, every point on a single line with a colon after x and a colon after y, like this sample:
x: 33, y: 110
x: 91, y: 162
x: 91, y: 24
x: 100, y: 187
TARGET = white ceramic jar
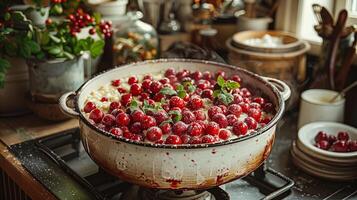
x: 315, y: 106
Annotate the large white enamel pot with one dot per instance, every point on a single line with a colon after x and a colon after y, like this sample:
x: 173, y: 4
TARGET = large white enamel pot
x: 177, y: 167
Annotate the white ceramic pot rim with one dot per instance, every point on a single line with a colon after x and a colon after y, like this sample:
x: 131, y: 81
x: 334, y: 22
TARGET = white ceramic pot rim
x: 305, y: 97
x: 271, y: 124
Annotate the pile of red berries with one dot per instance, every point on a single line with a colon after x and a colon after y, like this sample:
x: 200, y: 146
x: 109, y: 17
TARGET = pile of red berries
x: 341, y: 143
x: 81, y: 19
x: 182, y: 108
x: 58, y: 1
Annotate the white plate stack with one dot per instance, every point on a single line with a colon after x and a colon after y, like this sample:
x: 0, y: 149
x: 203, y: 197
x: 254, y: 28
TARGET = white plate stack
x: 322, y: 163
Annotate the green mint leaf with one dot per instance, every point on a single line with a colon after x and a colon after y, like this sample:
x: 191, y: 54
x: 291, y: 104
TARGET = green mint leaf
x: 54, y: 38
x: 231, y: 85
x: 168, y: 91
x: 181, y: 94
x: 216, y: 93
x: 55, y: 50
x: 166, y: 121
x: 180, y: 87
x: 175, y: 115
x: 220, y: 81
x: 225, y: 98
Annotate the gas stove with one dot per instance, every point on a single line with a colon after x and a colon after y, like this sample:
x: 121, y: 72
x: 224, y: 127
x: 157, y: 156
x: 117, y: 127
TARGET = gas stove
x: 61, y: 164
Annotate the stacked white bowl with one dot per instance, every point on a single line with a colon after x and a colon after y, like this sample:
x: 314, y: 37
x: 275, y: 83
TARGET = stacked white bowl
x: 326, y: 164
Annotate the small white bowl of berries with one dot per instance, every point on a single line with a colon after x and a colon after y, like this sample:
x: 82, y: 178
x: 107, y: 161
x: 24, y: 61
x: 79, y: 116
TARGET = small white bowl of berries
x: 330, y: 139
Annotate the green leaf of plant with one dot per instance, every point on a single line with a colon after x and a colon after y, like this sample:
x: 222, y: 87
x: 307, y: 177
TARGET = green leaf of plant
x: 68, y: 55
x: 216, y: 93
x: 96, y: 48
x: 225, y: 98
x: 35, y: 48
x: 54, y: 38
x: 181, y: 94
x: 176, y: 115
x: 231, y: 85
x: 10, y: 48
x: 134, y: 105
x: 97, y: 17
x: 4, y: 66
x: 55, y: 50
x: 220, y: 81
x: 168, y: 91
x: 25, y: 51
x: 166, y: 121
x: 180, y: 87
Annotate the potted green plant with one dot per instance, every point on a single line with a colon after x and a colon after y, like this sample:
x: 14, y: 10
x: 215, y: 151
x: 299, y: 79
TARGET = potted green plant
x: 67, y: 46
x: 16, y: 45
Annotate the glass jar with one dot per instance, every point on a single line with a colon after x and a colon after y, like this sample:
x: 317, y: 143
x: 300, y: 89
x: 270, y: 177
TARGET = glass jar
x: 134, y: 40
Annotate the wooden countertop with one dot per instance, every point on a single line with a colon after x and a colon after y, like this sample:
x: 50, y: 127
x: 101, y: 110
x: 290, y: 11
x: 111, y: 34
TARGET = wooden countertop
x: 14, y: 130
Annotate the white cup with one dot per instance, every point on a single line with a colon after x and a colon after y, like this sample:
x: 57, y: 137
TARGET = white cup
x: 315, y: 106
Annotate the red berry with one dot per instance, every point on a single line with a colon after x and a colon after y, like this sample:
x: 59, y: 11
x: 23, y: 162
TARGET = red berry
x: 236, y: 78
x: 207, y: 93
x: 176, y: 101
x: 221, y: 119
x: 121, y: 90
x: 136, y: 128
x: 194, y: 129
x: 185, y: 139
x: 170, y: 72
x: 132, y: 80
x: 146, y: 84
x: 126, y: 99
x: 182, y: 74
x: 158, y: 96
x: 237, y: 98
x: 166, y: 128
x: 220, y: 73
x: 114, y: 105
x: 196, y: 103
x: 268, y: 107
x: 203, y: 84
x: 214, y: 110
x: 195, y: 140
x: 323, y: 144
x: 231, y: 119
x: 235, y: 109
x: 255, y: 105
x: 122, y: 119
x: 136, y: 137
x: 164, y: 81
x: 89, y: 107
x: 224, y: 109
x: 245, y: 92
x: 252, y: 124
x: 154, y: 134
x: 207, y: 139
x: 342, y: 135
x: 224, y: 134
x: 135, y: 89
x: 115, y: 112
x: 137, y: 115
x: 116, y: 131
x: 245, y: 107
x: 199, y: 114
x: 173, y: 139
x: 339, y: 146
x: 160, y: 116
x: 259, y: 100
x: 197, y: 75
x: 148, y: 121
x: 240, y: 128
x: 104, y: 99
x: 108, y: 120
x: 147, y: 77
x: 155, y: 87
x: 179, y: 128
x: 92, y: 31
x: 331, y: 139
x: 321, y: 135
x: 352, y: 145
x: 212, y: 128
x: 173, y: 79
x: 206, y: 75
x: 255, y: 114
x: 266, y: 119
x: 188, y: 117
x: 127, y: 135
x: 96, y: 115
x: 144, y: 96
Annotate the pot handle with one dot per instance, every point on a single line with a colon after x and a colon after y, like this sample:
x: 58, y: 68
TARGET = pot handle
x: 283, y: 88
x: 68, y: 109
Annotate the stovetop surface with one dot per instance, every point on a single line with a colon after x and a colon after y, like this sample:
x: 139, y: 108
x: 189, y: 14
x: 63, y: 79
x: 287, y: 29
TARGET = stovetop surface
x: 62, y: 183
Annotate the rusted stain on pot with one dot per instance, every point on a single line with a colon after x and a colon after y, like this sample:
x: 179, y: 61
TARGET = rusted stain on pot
x: 174, y: 183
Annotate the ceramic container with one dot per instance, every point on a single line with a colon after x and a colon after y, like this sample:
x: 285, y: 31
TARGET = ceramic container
x: 112, y: 8
x: 185, y: 166
x: 315, y: 106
